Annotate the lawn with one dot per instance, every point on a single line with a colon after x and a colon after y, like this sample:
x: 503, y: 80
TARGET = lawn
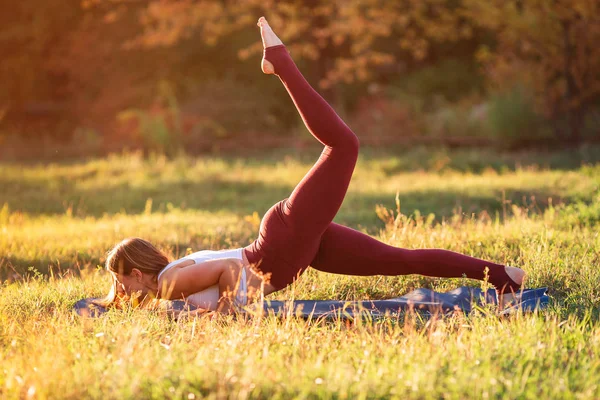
x: 537, y: 210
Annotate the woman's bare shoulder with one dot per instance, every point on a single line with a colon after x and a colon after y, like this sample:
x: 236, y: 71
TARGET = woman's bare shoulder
x: 174, y: 267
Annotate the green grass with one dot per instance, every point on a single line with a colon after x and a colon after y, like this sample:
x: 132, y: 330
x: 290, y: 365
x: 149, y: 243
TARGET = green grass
x: 540, y: 211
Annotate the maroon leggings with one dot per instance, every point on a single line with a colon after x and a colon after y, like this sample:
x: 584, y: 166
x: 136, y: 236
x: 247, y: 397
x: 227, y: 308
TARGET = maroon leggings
x: 298, y: 232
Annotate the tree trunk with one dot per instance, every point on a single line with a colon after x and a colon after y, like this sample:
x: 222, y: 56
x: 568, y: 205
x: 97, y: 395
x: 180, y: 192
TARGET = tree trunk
x: 573, y: 107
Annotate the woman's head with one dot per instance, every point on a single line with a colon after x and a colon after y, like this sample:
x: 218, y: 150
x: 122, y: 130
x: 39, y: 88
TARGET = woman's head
x: 134, y: 264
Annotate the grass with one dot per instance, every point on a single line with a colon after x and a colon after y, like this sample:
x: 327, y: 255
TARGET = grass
x: 540, y: 211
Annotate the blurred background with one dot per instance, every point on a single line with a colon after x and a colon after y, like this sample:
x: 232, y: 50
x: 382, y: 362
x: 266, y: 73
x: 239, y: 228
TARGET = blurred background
x: 96, y: 76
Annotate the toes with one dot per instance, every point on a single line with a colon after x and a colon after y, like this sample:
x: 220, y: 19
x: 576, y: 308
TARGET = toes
x: 269, y: 38
x: 262, y: 21
x: 516, y: 274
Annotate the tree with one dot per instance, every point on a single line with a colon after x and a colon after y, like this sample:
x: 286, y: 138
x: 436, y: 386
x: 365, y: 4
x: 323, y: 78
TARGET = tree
x: 348, y: 39
x: 32, y: 93
x: 550, y: 45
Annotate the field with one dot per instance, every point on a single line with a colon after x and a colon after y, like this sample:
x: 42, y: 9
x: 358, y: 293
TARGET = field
x: 540, y: 211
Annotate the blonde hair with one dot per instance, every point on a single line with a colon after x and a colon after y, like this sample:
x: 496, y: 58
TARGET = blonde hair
x: 129, y: 254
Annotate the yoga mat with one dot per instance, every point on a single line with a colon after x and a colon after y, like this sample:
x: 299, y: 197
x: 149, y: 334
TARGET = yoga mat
x: 89, y: 307
x: 423, y: 300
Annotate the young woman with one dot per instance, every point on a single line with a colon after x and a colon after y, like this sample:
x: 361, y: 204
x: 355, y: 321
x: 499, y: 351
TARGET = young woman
x: 296, y: 232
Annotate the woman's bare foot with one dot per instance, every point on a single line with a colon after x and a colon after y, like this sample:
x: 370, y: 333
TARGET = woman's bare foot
x: 269, y: 39
x: 517, y: 275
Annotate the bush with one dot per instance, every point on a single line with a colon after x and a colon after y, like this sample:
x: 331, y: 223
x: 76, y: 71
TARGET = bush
x: 158, y: 128
x: 449, y: 81
x: 513, y: 120
x: 464, y: 119
x: 239, y: 106
x: 213, y: 111
x: 581, y: 214
x: 444, y: 100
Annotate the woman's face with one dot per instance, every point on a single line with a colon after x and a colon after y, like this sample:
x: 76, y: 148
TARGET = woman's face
x: 137, y: 284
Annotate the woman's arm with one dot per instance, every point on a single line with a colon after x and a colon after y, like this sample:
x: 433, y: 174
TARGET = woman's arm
x: 188, y: 277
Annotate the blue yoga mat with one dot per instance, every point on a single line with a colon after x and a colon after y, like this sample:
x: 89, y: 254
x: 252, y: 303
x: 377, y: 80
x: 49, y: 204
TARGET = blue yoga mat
x: 425, y: 300
x: 428, y: 301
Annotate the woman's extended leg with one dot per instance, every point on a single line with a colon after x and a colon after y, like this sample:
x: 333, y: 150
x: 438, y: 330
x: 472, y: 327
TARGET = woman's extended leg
x: 290, y: 231
x: 347, y: 251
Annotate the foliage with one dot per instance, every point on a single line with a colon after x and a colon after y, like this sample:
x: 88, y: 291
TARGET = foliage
x: 29, y: 29
x: 77, y: 65
x: 160, y: 128
x: 348, y: 39
x: 445, y: 82
x: 582, y: 213
x: 514, y: 120
x: 549, y: 45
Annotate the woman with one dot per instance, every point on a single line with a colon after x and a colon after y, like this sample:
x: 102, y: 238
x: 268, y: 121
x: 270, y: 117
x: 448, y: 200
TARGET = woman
x: 294, y: 233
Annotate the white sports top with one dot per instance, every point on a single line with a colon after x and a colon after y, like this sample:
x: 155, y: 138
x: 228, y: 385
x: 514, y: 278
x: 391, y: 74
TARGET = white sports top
x: 208, y: 298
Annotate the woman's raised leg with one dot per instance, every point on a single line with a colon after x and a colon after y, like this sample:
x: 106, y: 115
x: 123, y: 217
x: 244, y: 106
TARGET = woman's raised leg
x: 316, y: 199
x: 290, y: 231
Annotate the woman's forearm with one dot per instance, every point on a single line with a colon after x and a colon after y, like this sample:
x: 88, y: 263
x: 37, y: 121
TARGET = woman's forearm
x: 230, y: 284
x: 240, y: 285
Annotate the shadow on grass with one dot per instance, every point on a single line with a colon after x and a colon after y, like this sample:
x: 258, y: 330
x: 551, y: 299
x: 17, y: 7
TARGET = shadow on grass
x: 358, y: 210
x: 398, y: 159
x: 18, y: 269
x: 79, y: 192
x: 38, y: 197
